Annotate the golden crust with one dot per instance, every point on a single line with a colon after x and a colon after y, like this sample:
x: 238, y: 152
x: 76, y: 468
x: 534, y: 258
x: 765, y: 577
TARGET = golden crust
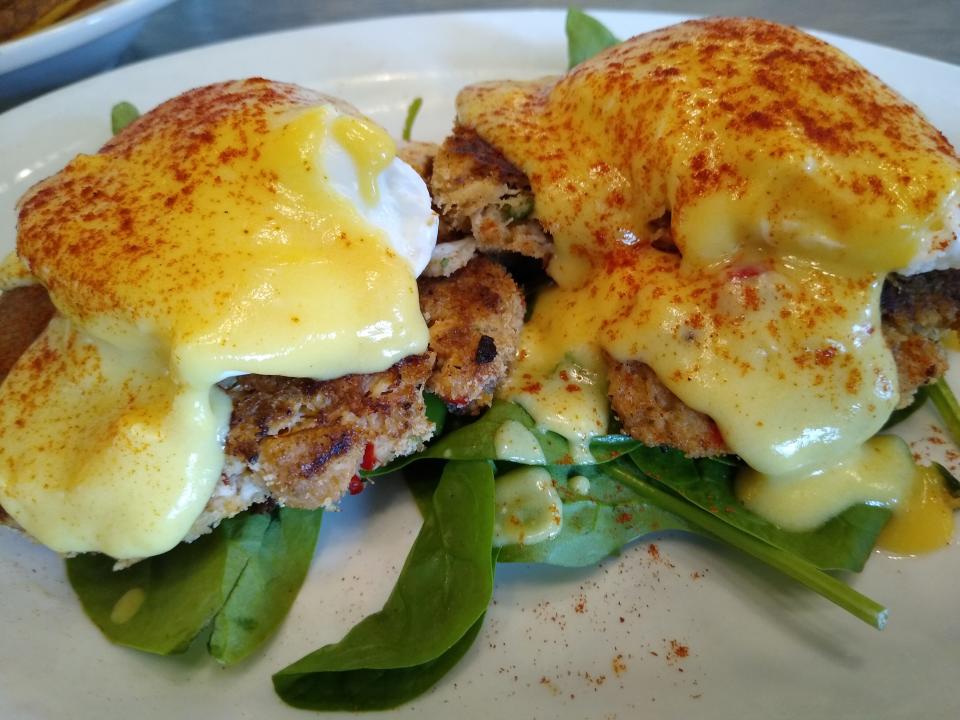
x: 916, y: 310
x: 306, y: 439
x: 479, y: 192
x: 652, y: 414
x: 469, y: 175
x: 495, y: 231
x: 474, y: 317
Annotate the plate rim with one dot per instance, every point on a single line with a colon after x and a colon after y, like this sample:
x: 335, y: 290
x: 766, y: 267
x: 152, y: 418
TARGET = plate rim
x: 314, y: 28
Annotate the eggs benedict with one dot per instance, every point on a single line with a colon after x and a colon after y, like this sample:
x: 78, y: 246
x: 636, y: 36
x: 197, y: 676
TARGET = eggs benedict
x: 739, y: 222
x: 238, y: 266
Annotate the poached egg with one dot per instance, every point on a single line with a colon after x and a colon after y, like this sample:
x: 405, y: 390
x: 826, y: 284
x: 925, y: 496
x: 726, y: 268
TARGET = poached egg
x: 243, y: 227
x: 792, y: 182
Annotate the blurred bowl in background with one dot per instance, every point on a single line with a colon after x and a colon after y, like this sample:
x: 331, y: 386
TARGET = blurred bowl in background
x: 79, y: 45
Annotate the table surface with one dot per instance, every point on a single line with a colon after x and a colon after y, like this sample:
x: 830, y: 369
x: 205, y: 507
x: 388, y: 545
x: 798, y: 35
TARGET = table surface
x: 925, y: 27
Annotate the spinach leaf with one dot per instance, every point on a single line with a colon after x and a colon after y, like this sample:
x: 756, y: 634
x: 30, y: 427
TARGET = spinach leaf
x: 799, y: 569
x: 162, y: 603
x: 477, y: 441
x: 843, y: 543
x: 596, y: 523
x: 268, y: 585
x: 368, y: 689
x: 609, y: 447
x: 428, y: 621
x: 121, y: 115
x: 423, y: 483
x: 436, y: 412
x: 586, y: 36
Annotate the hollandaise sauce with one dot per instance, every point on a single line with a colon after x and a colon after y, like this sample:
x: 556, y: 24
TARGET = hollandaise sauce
x: 216, y: 236
x: 726, y: 198
x: 528, y: 509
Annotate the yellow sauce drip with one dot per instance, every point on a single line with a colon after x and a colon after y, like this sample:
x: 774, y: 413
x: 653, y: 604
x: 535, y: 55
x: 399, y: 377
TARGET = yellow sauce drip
x: 579, y: 484
x: 528, y: 509
x: 517, y: 444
x: 210, y: 244
x: 565, y: 395
x: 371, y: 148
x: 880, y: 472
x: 924, y: 521
x: 104, y: 450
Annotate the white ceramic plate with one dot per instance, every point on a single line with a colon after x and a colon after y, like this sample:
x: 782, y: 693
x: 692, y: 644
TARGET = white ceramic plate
x: 75, y: 47
x: 601, y: 642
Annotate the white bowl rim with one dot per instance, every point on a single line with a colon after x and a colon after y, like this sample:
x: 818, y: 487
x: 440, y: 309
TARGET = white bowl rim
x: 60, y: 37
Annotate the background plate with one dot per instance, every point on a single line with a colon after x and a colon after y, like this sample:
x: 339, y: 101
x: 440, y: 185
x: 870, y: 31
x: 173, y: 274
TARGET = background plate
x: 682, y: 628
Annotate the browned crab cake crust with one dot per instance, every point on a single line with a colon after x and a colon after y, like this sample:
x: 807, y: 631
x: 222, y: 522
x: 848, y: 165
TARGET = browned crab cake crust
x: 652, y: 414
x: 478, y: 191
x: 306, y: 439
x: 916, y: 310
x: 475, y: 317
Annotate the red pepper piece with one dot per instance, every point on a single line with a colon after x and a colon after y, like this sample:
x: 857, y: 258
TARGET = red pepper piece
x: 356, y: 485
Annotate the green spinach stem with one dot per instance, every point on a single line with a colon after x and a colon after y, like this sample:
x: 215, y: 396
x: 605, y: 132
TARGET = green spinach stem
x: 820, y: 582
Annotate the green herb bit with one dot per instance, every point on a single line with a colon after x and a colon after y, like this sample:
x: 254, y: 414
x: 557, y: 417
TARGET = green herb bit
x: 820, y: 582
x: 412, y: 112
x: 586, y: 36
x: 946, y: 403
x: 517, y: 208
x: 121, y: 115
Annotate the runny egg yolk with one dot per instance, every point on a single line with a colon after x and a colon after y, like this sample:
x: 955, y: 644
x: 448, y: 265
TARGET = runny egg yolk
x: 222, y: 234
x: 726, y: 198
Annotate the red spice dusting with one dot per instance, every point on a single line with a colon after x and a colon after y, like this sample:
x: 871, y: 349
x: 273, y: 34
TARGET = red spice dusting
x: 624, y: 517
x: 751, y: 298
x: 653, y: 551
x: 356, y: 485
x: 678, y: 650
x: 825, y: 356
